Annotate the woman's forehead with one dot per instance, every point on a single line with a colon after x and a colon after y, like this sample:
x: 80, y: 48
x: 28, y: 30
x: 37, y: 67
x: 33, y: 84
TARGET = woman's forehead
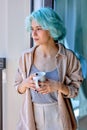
x: 34, y: 23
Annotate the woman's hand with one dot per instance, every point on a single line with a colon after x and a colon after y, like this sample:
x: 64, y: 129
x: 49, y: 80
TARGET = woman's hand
x: 27, y: 83
x: 49, y: 86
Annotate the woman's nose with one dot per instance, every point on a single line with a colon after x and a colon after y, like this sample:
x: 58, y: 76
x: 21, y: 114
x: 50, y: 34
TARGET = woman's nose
x: 34, y: 32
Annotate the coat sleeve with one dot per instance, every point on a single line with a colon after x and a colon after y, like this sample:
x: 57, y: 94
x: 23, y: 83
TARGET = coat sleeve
x: 19, y: 76
x: 73, y: 78
x: 24, y: 65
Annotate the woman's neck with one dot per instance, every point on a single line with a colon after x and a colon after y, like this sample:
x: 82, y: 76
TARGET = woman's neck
x: 47, y: 50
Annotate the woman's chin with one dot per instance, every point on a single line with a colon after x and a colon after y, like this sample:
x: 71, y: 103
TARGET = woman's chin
x: 38, y: 43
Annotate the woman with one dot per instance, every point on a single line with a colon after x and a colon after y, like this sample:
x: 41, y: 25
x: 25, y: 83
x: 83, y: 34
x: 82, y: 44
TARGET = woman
x: 45, y: 108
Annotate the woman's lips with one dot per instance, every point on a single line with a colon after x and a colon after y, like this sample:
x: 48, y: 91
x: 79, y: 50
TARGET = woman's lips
x: 36, y: 39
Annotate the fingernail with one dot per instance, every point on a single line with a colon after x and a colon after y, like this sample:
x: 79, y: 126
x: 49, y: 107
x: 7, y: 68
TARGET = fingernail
x: 36, y: 91
x: 36, y: 73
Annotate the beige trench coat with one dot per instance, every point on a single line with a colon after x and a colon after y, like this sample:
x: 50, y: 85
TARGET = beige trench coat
x: 69, y: 71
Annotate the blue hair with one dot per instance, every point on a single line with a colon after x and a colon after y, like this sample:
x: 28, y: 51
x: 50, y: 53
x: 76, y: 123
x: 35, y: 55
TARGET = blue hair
x: 49, y: 20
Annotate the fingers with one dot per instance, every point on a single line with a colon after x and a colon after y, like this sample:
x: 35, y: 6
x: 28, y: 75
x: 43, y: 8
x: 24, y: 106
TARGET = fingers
x: 31, y: 76
x: 33, y: 87
x: 43, y: 90
x: 47, y: 87
x: 29, y: 83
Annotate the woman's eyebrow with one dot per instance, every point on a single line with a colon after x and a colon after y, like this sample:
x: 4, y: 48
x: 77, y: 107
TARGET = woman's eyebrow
x: 36, y: 27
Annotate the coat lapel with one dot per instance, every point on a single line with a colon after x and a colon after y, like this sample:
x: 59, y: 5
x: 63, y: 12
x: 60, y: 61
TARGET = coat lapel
x: 61, y: 64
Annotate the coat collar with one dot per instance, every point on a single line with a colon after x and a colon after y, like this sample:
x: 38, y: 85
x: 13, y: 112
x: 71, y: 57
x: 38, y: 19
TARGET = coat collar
x: 61, y: 50
x: 60, y: 57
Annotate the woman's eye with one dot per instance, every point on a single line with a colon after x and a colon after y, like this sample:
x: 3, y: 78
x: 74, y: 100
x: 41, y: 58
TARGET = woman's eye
x: 39, y: 28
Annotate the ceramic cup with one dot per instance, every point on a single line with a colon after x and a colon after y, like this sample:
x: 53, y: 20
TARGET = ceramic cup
x: 40, y: 76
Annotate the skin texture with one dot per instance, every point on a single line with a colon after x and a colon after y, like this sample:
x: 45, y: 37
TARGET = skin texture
x: 44, y: 56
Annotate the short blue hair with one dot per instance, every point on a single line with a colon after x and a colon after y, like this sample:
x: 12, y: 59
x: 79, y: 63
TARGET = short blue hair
x: 49, y: 20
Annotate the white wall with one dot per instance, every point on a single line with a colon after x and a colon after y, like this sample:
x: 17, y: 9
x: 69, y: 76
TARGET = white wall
x: 13, y: 40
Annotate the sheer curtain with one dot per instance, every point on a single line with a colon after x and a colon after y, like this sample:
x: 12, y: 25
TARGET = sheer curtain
x: 73, y: 13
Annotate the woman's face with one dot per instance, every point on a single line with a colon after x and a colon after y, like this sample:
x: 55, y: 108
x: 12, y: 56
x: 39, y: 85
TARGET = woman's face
x: 39, y: 35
